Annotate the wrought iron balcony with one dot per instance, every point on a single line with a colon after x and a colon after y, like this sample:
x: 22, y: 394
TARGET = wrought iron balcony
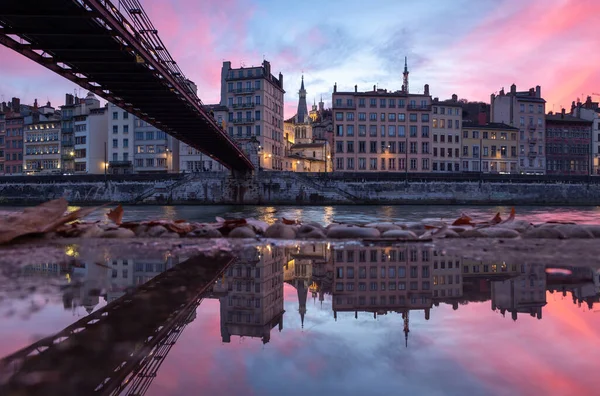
x: 243, y: 105
x: 418, y: 107
x: 239, y: 121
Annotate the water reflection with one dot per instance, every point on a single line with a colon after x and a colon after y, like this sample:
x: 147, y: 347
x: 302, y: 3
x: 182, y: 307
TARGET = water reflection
x: 135, y: 312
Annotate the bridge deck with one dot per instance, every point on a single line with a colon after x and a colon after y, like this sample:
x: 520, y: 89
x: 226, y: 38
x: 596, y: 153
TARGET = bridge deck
x: 114, y: 55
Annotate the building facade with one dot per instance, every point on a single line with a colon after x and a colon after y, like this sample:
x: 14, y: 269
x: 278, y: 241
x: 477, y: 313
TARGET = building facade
x: 446, y: 126
x: 2, y: 138
x: 255, y: 98
x: 120, y: 137
x: 13, y: 153
x: 568, y: 144
x: 490, y: 148
x: 381, y: 131
x: 42, y: 151
x: 591, y: 111
x: 526, y: 111
x: 154, y: 149
x: 90, y: 141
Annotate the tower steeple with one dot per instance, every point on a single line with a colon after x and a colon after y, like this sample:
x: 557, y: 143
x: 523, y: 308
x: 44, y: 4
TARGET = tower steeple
x: 302, y: 113
x: 405, y: 74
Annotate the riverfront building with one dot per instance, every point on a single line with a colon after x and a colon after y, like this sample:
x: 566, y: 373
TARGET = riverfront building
x: 524, y: 110
x: 591, y: 111
x: 381, y: 130
x: 568, y: 144
x: 446, y: 126
x: 42, y: 147
x: 254, y: 98
x: 490, y: 148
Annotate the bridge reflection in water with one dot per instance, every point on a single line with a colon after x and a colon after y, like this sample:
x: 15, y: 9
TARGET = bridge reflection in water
x: 118, y: 349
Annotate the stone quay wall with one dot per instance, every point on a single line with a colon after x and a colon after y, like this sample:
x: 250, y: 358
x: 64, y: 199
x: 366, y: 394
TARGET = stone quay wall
x: 286, y: 188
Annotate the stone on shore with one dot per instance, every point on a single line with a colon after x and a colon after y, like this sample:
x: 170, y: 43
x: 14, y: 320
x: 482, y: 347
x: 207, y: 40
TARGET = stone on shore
x: 156, y: 231
x: 574, y: 231
x: 280, y: 231
x: 495, y: 232
x: 308, y: 231
x: 349, y: 232
x: 242, y: 232
x: 400, y: 234
x: 544, y: 233
x: 384, y: 226
x: 118, y: 233
x: 204, y: 233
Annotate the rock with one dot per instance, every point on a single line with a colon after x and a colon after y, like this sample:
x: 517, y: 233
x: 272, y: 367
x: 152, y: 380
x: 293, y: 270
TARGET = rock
x: 449, y: 233
x: 400, y: 234
x: 518, y: 225
x: 349, y: 232
x: 316, y: 225
x: 242, y: 232
x: 170, y: 234
x: 495, y: 232
x: 574, y: 231
x: 156, y: 231
x: 472, y: 234
x: 141, y: 230
x: 280, y: 231
x: 204, y: 233
x: 310, y: 232
x: 593, y: 228
x: 92, y: 231
x: 118, y: 233
x: 459, y: 229
x: 383, y: 227
x: 544, y: 233
x: 259, y: 226
x: 413, y: 226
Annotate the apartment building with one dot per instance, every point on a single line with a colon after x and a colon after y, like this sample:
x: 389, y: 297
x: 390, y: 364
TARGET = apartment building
x: 446, y: 126
x: 2, y: 138
x: 254, y: 98
x: 193, y: 160
x: 526, y: 111
x: 154, y: 151
x: 42, y: 147
x: 490, y: 148
x: 252, y: 294
x: 90, y: 140
x: 568, y: 144
x: 381, y: 131
x: 120, y: 137
x: 13, y: 152
x: 522, y: 294
x: 590, y: 111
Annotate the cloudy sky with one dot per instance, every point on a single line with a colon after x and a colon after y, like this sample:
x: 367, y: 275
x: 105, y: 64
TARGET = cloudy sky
x: 469, y: 47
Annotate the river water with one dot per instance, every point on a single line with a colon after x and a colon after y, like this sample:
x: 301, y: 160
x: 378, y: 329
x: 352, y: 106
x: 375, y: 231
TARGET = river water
x: 315, y: 318
x: 349, y: 213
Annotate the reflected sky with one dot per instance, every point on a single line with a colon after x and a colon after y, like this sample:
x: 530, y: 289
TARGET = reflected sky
x: 352, y: 321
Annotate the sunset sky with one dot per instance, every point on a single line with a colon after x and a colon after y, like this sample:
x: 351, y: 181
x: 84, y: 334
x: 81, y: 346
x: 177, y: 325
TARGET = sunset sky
x: 471, y: 48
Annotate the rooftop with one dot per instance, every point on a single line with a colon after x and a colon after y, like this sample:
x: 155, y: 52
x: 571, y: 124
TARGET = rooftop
x: 559, y: 117
x: 490, y: 125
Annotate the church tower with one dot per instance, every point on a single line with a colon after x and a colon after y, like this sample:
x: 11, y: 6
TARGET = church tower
x: 302, y: 114
x: 405, y: 74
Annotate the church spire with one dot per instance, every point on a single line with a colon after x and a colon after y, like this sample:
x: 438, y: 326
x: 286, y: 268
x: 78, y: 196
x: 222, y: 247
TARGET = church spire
x: 405, y: 74
x: 302, y: 113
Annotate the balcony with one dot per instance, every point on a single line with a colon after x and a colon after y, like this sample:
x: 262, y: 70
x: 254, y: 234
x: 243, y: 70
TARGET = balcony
x: 244, y: 90
x: 243, y: 105
x: 418, y: 107
x: 531, y: 127
x: 240, y: 121
x: 66, y: 130
x: 344, y: 106
x: 532, y: 154
x: 66, y: 143
x: 67, y: 157
x: 232, y: 76
x: 119, y: 164
x: 532, y: 140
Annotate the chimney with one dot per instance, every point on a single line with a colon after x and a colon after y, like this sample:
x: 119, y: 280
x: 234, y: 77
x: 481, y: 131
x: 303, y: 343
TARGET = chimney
x: 562, y: 113
x: 531, y: 92
x: 513, y: 89
x: 426, y: 89
x: 16, y: 105
x: 334, y: 87
x: 538, y: 91
x: 436, y: 99
x: 588, y: 102
x: 374, y: 88
x: 356, y: 88
x: 402, y: 87
x: 280, y: 80
x: 454, y: 97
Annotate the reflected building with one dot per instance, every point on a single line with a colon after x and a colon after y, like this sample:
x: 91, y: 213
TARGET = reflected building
x: 90, y: 281
x: 382, y: 280
x: 583, y: 283
x: 126, y: 274
x: 525, y: 293
x: 251, y: 294
x: 447, y: 279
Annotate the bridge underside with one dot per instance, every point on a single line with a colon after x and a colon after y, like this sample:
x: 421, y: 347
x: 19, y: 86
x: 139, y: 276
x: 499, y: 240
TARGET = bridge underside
x: 90, y: 43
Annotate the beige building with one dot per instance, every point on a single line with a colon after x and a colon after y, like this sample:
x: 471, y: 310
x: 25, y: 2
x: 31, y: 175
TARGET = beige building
x: 525, y: 293
x: 526, y: 111
x: 42, y: 148
x: 254, y: 98
x: 447, y: 277
x: 381, y: 131
x: 446, y: 126
x: 490, y: 148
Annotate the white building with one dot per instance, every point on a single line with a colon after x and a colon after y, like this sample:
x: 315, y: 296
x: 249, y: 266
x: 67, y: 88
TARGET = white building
x: 90, y: 141
x: 254, y: 98
x: 120, y: 138
x: 192, y: 160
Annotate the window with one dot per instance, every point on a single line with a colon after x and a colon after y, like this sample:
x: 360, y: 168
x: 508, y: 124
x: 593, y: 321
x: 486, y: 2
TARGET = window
x: 125, y: 143
x: 115, y: 115
x: 115, y: 143
x: 115, y: 129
